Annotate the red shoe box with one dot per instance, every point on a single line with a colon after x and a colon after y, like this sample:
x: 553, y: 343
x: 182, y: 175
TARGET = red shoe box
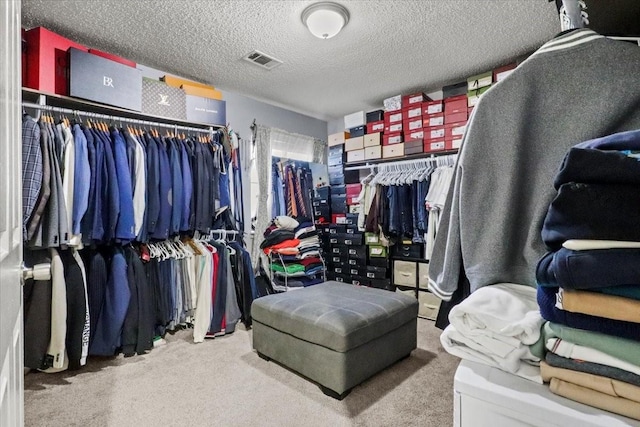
x: 392, y: 138
x: 48, y: 61
x: 413, y: 124
x: 432, y: 107
x: 392, y: 117
x: 455, y: 130
x: 456, y: 104
x: 502, y: 72
x: 456, y: 117
x: 416, y: 134
x: 434, y: 133
x: 453, y: 144
x: 412, y: 112
x: 353, y: 189
x: 434, y: 145
x: 414, y: 99
x: 339, y: 218
x: 113, y: 57
x: 433, y: 120
x: 393, y: 127
x: 375, y: 127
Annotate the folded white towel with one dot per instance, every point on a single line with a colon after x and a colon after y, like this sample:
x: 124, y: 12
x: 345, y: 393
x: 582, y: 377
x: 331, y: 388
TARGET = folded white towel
x: 495, y: 325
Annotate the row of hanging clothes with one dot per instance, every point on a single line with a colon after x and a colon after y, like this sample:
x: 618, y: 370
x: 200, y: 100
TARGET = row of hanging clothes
x: 292, y: 182
x: 403, y: 200
x: 95, y: 182
x: 122, y: 212
x: 108, y: 300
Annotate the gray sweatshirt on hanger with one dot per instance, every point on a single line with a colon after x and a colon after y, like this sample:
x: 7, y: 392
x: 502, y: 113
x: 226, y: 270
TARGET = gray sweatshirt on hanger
x: 576, y: 87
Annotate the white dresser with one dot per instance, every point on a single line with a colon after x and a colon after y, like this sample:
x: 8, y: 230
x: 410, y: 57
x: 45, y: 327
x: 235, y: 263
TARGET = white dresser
x: 488, y: 397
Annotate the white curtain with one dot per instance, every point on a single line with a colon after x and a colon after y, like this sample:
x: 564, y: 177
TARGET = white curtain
x: 278, y: 143
x: 263, y: 166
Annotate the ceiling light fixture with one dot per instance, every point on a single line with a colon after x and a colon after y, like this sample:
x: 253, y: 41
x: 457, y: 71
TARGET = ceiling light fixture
x: 325, y: 19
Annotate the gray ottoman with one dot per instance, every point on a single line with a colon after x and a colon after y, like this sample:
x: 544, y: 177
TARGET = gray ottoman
x: 335, y: 334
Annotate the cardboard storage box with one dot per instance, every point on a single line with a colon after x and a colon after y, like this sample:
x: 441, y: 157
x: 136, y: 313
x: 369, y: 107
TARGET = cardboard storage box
x: 413, y: 147
x: 453, y: 130
x: 372, y: 139
x: 179, y: 82
x: 433, y: 120
x: 434, y: 146
x: 353, y: 189
x: 375, y: 126
x: 351, y: 144
x: 462, y: 116
x: 392, y: 138
x: 371, y: 239
x: 202, y: 92
x: 98, y: 79
x: 337, y: 138
x: 357, y: 131
x: 474, y: 96
x: 432, y: 107
x: 377, y: 251
x: 480, y: 80
x: 454, y: 89
x: 47, y: 61
x: 456, y: 104
x: 375, y: 116
x: 502, y: 72
x: 453, y: 143
x: 393, y: 103
x: 160, y: 99
x: 112, y: 57
x: 394, y: 150
x: 413, y: 99
x: 355, y: 156
x: 354, y: 120
x: 429, y: 305
x: 372, y: 153
x: 205, y: 110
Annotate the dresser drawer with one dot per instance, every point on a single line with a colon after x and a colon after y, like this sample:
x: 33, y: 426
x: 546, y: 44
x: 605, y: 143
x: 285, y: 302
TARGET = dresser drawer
x: 423, y: 275
x: 407, y: 250
x: 404, y: 273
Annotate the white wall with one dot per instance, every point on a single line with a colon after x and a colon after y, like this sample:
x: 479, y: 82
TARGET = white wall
x: 242, y: 110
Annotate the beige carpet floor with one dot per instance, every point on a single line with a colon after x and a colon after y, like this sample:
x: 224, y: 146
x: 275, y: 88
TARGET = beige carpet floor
x: 223, y: 382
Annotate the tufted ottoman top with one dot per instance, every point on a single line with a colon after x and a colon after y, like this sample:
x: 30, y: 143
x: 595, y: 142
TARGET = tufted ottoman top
x: 335, y: 315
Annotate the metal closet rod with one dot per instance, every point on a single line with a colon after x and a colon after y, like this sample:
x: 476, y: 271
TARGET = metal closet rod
x: 114, y: 118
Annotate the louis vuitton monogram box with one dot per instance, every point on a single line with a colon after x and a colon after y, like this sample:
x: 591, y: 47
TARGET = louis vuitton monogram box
x: 160, y: 99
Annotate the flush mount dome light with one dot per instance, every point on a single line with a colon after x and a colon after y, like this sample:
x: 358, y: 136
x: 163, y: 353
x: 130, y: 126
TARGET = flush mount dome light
x: 325, y: 19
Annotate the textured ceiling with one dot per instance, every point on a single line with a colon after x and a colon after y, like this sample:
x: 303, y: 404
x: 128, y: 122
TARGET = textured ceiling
x: 387, y: 48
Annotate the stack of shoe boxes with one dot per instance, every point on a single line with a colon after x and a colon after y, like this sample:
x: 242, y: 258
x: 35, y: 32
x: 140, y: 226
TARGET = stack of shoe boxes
x: 413, y: 122
x: 392, y: 138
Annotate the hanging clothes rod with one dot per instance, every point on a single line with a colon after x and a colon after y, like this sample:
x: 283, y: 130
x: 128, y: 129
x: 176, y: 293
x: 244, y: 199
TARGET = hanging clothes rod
x: 432, y: 159
x: 115, y: 118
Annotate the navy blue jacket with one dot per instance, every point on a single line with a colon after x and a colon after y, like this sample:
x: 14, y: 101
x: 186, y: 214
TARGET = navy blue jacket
x: 125, y: 229
x: 176, y: 185
x: 111, y: 193
x: 114, y: 310
x: 86, y: 225
x: 164, y: 217
x: 153, y: 184
x: 187, y: 187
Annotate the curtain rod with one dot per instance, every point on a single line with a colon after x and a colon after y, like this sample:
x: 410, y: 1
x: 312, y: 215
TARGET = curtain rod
x: 115, y: 118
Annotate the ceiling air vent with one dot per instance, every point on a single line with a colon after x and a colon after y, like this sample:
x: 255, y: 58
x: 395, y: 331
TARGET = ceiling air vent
x: 262, y: 59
